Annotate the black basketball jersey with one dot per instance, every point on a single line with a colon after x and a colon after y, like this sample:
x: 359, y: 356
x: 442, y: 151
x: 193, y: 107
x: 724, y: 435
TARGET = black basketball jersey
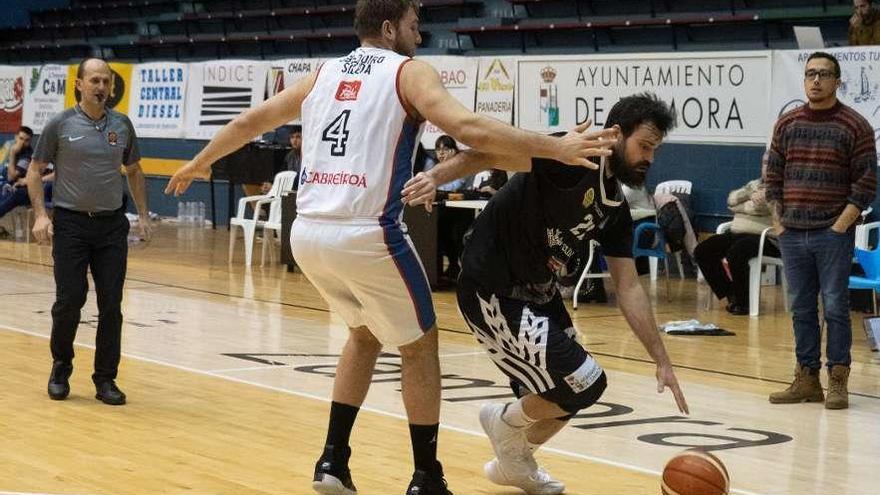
x: 536, y: 229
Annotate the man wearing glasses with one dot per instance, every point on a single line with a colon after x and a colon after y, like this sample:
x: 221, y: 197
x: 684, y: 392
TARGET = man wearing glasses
x: 820, y: 175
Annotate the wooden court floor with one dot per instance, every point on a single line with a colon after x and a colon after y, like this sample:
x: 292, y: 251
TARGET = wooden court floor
x: 229, y: 370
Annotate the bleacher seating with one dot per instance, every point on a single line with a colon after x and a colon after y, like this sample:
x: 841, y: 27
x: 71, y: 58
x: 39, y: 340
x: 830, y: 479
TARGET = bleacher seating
x: 140, y: 30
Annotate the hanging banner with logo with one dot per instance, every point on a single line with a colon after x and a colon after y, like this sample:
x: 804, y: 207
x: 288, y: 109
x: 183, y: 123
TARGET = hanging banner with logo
x: 44, y: 95
x: 158, y: 96
x: 859, y: 81
x: 459, y: 76
x: 495, y: 88
x: 719, y: 97
x: 120, y: 87
x: 284, y: 73
x: 11, y: 97
x: 219, y: 91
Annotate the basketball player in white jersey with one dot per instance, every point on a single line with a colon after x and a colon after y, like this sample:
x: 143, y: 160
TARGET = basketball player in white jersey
x: 362, y: 117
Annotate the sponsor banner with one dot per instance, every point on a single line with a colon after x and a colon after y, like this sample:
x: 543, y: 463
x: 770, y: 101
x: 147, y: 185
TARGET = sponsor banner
x: 158, y: 96
x: 495, y: 88
x: 459, y: 76
x: 44, y: 95
x: 120, y: 87
x: 11, y: 97
x: 284, y: 73
x: 859, y: 81
x: 719, y: 97
x: 219, y: 91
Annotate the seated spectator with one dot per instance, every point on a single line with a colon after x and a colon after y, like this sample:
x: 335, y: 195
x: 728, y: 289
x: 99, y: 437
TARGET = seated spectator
x: 293, y: 158
x: 488, y: 182
x: 864, y: 25
x: 751, y: 216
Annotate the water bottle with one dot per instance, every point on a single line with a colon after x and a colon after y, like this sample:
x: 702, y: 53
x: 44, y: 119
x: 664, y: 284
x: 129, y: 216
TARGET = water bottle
x: 181, y: 213
x: 201, y: 214
x: 190, y: 213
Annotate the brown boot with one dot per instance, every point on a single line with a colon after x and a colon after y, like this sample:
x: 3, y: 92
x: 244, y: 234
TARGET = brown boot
x: 838, y: 396
x: 804, y: 388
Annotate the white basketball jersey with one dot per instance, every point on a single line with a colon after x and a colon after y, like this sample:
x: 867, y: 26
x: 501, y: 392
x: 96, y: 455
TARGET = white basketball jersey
x: 358, y: 141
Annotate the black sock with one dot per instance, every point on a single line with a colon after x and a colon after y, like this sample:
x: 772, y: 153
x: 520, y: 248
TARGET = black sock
x: 424, y: 444
x: 342, y: 418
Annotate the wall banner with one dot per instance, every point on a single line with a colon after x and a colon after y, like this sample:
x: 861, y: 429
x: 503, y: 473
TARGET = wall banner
x: 219, y: 91
x: 495, y: 88
x: 44, y: 95
x: 158, y: 97
x: 459, y: 76
x: 719, y: 97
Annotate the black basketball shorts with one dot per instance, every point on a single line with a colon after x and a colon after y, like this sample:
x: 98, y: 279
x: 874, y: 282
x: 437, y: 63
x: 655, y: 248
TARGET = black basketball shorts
x: 535, y: 345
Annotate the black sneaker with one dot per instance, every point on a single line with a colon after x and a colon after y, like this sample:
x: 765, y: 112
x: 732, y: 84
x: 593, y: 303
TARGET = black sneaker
x: 428, y: 483
x: 332, y: 476
x: 109, y: 393
x: 59, y: 386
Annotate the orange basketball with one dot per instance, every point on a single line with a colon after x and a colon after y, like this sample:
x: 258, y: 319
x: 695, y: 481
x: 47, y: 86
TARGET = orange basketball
x: 694, y: 472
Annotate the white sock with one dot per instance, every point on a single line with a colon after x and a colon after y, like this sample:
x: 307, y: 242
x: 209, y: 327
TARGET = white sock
x: 514, y: 415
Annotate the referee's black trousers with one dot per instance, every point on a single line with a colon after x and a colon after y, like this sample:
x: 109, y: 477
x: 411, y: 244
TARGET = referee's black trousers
x: 101, y: 244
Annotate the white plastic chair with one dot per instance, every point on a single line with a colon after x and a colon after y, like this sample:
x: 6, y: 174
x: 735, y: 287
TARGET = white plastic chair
x: 756, y: 269
x: 272, y: 225
x: 676, y: 187
x: 863, y: 234
x: 585, y: 274
x: 249, y: 225
x: 756, y: 266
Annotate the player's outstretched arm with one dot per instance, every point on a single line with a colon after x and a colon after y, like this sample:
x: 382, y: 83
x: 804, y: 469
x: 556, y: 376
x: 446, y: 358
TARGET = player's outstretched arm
x: 636, y: 308
x: 421, y: 89
x: 272, y: 113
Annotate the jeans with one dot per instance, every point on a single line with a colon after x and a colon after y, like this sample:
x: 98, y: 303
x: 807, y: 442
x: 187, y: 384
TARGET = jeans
x: 100, y: 243
x: 819, y: 262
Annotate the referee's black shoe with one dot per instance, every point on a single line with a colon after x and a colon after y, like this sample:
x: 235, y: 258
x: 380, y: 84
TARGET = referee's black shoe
x: 332, y: 476
x: 109, y: 393
x: 428, y: 483
x: 59, y: 385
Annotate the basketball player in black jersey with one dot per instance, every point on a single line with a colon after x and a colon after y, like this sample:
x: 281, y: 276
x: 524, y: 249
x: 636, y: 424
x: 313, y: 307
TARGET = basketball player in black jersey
x: 534, y: 233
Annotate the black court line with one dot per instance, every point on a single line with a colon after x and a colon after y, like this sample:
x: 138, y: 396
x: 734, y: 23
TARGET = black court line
x: 450, y: 330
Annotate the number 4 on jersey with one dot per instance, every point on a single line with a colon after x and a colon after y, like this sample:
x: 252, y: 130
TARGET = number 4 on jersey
x: 337, y: 133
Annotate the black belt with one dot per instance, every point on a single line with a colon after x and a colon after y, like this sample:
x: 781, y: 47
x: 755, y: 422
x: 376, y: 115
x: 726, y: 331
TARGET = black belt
x: 92, y: 214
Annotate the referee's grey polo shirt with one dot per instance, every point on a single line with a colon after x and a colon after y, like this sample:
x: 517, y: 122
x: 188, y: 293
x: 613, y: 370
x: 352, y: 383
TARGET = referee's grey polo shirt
x: 87, y: 155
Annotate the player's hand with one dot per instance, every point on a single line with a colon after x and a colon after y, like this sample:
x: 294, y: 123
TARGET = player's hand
x: 577, y: 146
x: 43, y: 230
x: 181, y: 180
x: 145, y: 227
x: 855, y: 21
x: 666, y: 378
x: 421, y: 189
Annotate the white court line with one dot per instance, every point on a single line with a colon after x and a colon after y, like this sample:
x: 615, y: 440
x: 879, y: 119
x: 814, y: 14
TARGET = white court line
x: 282, y: 366
x: 567, y: 453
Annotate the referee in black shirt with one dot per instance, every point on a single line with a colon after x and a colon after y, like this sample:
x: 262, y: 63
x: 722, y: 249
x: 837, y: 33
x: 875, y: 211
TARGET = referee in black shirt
x: 88, y: 143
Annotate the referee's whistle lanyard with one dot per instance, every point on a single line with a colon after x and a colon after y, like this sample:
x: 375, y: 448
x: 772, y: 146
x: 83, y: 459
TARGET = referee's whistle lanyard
x: 100, y: 124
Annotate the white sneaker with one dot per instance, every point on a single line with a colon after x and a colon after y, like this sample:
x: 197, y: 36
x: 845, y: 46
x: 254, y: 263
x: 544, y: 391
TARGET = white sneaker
x: 508, y: 442
x: 537, y: 482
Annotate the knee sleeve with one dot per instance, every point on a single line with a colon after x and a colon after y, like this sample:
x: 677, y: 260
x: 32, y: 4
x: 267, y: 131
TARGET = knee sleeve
x: 574, y: 402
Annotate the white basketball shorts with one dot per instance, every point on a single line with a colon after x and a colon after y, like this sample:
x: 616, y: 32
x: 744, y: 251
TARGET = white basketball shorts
x: 369, y: 274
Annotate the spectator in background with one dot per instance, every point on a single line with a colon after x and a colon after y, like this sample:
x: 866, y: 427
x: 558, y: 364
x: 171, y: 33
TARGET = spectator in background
x: 864, y: 25
x: 452, y: 223
x: 738, y: 245
x: 821, y: 173
x: 19, y: 155
x: 293, y: 158
x: 488, y: 182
